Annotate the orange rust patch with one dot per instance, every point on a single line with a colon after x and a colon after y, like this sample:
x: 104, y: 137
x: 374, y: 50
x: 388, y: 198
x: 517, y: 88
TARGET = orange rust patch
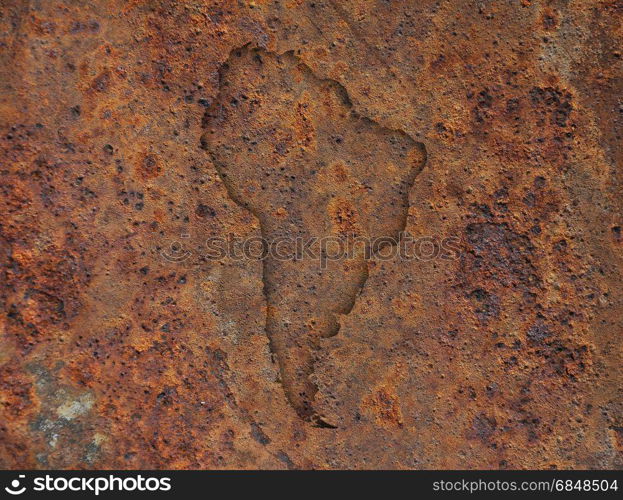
x: 385, y: 405
x: 148, y: 166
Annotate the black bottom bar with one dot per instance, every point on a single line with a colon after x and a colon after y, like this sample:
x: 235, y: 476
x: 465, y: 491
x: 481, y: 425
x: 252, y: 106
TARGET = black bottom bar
x: 204, y: 484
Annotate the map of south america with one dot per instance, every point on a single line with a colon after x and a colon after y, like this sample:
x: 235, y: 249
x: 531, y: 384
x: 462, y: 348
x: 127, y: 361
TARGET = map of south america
x: 290, y: 148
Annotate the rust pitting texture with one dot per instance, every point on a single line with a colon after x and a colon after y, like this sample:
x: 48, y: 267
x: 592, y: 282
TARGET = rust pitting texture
x: 127, y: 143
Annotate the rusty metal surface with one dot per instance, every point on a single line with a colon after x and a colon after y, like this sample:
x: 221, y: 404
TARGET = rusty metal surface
x: 135, y: 131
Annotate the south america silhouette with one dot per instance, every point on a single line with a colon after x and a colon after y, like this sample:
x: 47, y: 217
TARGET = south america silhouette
x: 290, y: 148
